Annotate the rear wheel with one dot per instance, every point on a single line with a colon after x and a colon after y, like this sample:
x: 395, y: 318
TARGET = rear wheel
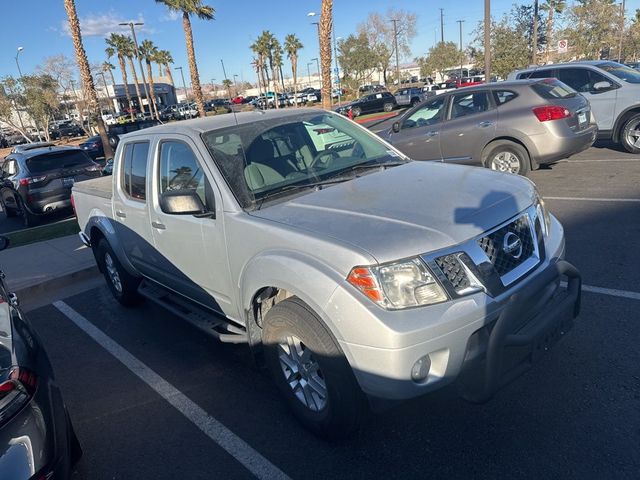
x: 630, y: 136
x: 28, y: 219
x: 388, y: 107
x: 311, y: 371
x: 507, y: 157
x: 122, y: 284
x: 8, y: 211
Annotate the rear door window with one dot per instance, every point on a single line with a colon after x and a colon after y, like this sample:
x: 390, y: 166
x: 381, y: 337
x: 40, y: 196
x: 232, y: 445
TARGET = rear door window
x: 576, y: 78
x: 58, y: 160
x: 134, y: 170
x: 468, y: 104
x: 504, y: 96
x: 540, y: 73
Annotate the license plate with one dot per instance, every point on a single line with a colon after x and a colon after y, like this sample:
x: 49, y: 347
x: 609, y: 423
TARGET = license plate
x: 68, y: 182
x: 582, y: 118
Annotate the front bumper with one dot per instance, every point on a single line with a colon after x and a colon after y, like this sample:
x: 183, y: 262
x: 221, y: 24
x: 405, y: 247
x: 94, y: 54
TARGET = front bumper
x: 453, y: 336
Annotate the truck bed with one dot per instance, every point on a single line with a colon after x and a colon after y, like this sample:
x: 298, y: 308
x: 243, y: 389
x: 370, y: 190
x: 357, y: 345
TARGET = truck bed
x: 98, y: 187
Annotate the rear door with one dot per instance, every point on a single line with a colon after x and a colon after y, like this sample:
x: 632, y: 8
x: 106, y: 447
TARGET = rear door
x: 419, y: 135
x: 131, y: 207
x: 471, y: 123
x: 192, y: 248
x: 603, y: 102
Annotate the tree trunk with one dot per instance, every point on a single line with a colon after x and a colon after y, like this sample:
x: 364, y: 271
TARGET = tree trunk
x: 326, y: 27
x: 274, y: 75
x: 282, y: 79
x: 152, y: 93
x: 159, y: 69
x: 125, y: 80
x: 85, y: 71
x: 549, y: 32
x: 294, y: 71
x: 169, y: 74
x: 193, y: 67
x: 113, y: 79
x: 137, y: 85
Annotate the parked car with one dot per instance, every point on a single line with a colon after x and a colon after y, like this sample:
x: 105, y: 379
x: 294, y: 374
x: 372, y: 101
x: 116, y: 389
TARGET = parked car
x: 410, y: 96
x: 212, y: 105
x: 238, y: 100
x: 37, y: 439
x: 374, y: 102
x: 469, y: 81
x: 613, y: 90
x: 187, y: 110
x: 66, y: 129
x: 37, y: 182
x: 93, y: 146
x: 115, y: 131
x: 508, y: 126
x: 30, y: 146
x: 352, y: 272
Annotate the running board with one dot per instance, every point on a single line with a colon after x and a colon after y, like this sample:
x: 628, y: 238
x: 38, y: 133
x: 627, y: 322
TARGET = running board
x: 201, y: 318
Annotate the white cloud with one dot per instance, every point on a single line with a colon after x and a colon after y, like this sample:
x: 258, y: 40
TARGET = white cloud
x: 103, y: 24
x: 171, y: 16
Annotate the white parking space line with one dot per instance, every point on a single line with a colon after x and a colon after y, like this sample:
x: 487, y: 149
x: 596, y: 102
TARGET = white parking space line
x: 592, y: 199
x: 603, y: 160
x: 614, y: 292
x: 216, y: 431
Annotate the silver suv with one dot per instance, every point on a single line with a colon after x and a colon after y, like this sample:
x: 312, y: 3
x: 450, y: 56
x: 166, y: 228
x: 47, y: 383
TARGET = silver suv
x: 613, y: 90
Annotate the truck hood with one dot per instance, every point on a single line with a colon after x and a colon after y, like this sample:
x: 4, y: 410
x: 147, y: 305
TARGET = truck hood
x: 408, y: 210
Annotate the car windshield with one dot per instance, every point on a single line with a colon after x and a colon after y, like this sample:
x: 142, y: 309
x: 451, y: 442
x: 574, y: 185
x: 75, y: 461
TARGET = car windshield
x: 623, y: 72
x: 276, y: 156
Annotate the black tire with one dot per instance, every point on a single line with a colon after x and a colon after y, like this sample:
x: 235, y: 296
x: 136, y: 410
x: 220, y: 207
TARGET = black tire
x: 388, y: 107
x: 356, y: 112
x: 626, y: 139
x: 345, y: 407
x: 9, y: 212
x: 28, y: 219
x: 501, y: 152
x: 414, y: 102
x: 127, y: 291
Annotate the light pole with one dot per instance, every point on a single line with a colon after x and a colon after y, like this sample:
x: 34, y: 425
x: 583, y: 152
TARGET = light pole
x: 309, y: 72
x: 395, y: 41
x: 621, y: 33
x: 317, y: 24
x: 17, y: 62
x: 184, y: 85
x: 318, y: 65
x: 487, y: 41
x: 460, y: 22
x: 137, y: 52
x: 235, y: 82
x: 335, y: 54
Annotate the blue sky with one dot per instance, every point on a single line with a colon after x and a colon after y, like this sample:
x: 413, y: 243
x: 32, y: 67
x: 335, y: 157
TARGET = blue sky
x: 40, y: 28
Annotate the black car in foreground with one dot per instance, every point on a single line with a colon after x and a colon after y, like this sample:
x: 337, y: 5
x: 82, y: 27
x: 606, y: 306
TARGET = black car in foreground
x: 374, y: 102
x: 37, y: 182
x: 37, y: 440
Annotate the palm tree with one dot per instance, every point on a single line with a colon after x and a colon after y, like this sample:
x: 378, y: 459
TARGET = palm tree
x: 326, y: 26
x: 227, y: 84
x: 116, y: 43
x: 109, y: 67
x: 255, y: 63
x: 551, y: 7
x: 260, y: 48
x: 203, y: 12
x: 165, y: 59
x: 291, y: 45
x: 277, y: 61
x: 85, y: 72
x: 129, y: 51
x: 149, y: 52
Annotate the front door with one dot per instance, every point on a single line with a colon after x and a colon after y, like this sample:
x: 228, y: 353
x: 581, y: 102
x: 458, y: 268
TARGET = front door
x: 193, y: 249
x: 419, y: 135
x: 471, y: 124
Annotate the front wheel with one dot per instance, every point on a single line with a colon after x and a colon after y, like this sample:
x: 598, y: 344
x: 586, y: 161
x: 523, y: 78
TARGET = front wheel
x: 311, y: 371
x: 122, y: 284
x: 356, y: 112
x: 630, y: 136
x: 507, y: 157
x: 388, y: 107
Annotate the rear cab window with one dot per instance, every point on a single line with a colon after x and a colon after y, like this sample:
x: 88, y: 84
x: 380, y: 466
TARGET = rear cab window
x: 134, y: 170
x: 57, y: 160
x: 551, y: 88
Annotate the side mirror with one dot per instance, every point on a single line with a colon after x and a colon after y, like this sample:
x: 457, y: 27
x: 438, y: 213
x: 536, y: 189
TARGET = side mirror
x: 182, y: 202
x: 601, y: 86
x: 4, y: 243
x: 395, y: 127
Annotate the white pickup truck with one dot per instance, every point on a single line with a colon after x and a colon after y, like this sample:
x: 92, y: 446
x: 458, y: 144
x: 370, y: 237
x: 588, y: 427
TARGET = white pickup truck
x: 357, y: 276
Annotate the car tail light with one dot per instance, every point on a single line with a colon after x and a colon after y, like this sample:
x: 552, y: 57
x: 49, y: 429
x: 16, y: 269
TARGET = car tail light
x: 31, y: 180
x: 551, y: 112
x: 16, y: 392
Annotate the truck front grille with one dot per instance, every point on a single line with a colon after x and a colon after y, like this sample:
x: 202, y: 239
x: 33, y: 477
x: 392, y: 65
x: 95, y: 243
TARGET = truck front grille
x: 502, y: 249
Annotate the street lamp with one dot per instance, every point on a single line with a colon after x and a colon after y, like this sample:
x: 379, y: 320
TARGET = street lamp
x: 132, y: 25
x: 18, y: 63
x: 317, y: 24
x: 309, y: 72
x: 184, y: 85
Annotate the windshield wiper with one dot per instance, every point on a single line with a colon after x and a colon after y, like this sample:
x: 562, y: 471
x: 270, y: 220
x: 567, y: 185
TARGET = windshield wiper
x: 302, y: 186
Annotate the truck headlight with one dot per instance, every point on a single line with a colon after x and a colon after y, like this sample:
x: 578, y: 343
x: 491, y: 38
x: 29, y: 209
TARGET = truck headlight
x: 543, y: 214
x: 398, y: 285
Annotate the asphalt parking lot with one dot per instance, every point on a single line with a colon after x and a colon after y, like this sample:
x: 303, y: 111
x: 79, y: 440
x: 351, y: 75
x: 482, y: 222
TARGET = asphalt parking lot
x: 150, y: 397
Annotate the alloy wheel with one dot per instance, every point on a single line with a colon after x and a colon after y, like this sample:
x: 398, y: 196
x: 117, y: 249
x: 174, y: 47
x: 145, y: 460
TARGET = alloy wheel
x: 112, y: 271
x: 507, y: 162
x: 302, y: 373
x: 632, y: 135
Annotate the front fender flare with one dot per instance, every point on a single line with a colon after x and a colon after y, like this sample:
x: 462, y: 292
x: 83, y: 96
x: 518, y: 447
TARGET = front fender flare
x: 105, y: 225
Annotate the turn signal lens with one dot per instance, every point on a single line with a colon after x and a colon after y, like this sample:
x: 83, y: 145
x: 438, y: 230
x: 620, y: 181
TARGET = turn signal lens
x: 363, y: 279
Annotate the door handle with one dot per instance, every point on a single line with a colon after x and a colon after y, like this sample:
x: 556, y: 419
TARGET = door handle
x: 158, y: 225
x: 13, y: 300
x: 485, y: 124
x: 121, y: 214
x: 432, y: 133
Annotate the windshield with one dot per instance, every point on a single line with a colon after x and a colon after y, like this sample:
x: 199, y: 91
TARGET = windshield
x: 54, y: 160
x: 623, y: 72
x: 277, y: 155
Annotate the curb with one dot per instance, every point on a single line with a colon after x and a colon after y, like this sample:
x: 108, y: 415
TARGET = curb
x: 57, y: 283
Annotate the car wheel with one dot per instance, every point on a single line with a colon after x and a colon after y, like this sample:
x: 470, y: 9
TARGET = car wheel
x: 356, y: 112
x: 122, y: 284
x: 507, y: 157
x: 414, y: 102
x: 630, y: 137
x: 9, y: 212
x: 28, y: 219
x: 311, y: 371
x: 388, y: 107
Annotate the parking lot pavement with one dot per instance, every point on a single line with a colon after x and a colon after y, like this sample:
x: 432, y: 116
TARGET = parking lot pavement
x: 574, y: 415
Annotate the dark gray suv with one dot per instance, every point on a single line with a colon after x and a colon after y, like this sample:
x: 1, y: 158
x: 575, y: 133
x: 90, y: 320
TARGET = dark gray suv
x: 508, y: 126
